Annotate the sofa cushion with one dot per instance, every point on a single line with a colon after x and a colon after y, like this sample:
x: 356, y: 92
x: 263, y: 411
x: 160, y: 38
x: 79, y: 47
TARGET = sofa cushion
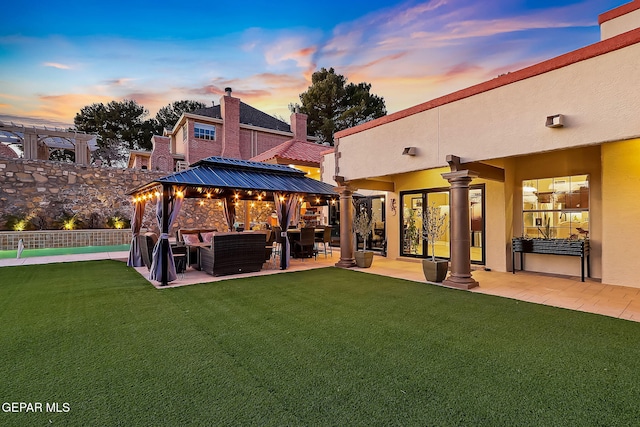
x: 191, y: 239
x: 207, y: 236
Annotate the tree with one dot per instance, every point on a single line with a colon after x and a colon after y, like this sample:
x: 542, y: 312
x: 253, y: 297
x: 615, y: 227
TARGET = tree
x: 120, y: 126
x: 168, y: 115
x: 333, y: 105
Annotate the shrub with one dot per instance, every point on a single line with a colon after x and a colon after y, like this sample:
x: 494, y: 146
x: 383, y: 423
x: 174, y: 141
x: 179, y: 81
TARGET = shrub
x: 118, y: 221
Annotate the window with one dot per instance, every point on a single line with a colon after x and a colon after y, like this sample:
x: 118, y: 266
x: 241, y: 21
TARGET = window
x: 556, y: 208
x: 184, y: 133
x: 203, y: 131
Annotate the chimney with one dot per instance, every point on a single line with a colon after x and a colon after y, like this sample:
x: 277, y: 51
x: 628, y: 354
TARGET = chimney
x: 230, y: 111
x: 299, y: 125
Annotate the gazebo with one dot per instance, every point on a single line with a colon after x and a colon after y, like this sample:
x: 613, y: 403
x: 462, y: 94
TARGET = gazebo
x: 228, y: 180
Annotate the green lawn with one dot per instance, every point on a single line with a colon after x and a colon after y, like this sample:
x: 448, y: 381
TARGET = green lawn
x: 322, y: 347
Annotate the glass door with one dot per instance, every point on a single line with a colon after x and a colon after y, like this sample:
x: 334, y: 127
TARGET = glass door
x: 413, y: 204
x: 412, y: 224
x: 442, y: 249
x: 476, y: 216
x: 411, y: 232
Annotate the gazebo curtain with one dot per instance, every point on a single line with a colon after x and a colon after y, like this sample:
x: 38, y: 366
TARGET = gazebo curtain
x: 290, y: 205
x: 175, y: 203
x: 135, y: 256
x: 229, y: 212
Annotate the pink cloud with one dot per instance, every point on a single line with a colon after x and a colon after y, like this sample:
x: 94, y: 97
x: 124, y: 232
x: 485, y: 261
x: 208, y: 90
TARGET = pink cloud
x: 57, y: 65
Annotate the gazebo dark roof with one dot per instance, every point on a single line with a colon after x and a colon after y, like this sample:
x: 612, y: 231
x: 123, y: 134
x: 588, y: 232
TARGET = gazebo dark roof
x: 227, y: 175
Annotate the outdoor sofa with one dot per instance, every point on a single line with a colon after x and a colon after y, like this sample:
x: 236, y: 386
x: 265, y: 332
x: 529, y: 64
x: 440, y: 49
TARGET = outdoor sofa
x: 188, y: 236
x: 232, y: 253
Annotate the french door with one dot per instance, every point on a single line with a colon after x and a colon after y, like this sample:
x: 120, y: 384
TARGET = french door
x: 413, y: 204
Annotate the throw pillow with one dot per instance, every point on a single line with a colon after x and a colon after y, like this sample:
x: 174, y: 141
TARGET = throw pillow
x: 190, y: 239
x: 207, y: 237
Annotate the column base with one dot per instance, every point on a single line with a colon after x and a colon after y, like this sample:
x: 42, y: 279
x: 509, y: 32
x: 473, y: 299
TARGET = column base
x: 346, y: 263
x: 461, y: 282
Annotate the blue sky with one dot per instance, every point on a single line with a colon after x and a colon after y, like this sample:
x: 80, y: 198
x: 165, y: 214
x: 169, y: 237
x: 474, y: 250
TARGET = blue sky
x: 58, y: 56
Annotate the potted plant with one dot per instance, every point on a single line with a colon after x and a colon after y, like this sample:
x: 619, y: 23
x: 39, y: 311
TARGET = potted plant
x: 433, y: 228
x: 363, y: 226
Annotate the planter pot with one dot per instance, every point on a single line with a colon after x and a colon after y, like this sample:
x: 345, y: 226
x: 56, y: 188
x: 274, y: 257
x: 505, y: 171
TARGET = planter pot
x: 435, y: 271
x: 364, y: 259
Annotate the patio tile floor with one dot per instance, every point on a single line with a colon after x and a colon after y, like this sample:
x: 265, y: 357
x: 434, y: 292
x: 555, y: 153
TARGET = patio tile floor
x: 559, y: 291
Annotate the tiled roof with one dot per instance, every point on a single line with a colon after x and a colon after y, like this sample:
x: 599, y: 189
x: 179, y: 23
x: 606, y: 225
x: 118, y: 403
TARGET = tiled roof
x: 248, y: 116
x: 293, y: 151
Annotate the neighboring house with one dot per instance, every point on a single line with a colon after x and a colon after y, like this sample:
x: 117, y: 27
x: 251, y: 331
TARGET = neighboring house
x: 230, y: 129
x: 302, y: 155
x: 549, y: 150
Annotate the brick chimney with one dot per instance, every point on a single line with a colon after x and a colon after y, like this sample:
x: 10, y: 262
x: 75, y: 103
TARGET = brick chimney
x: 299, y: 125
x: 161, y: 158
x: 230, y: 111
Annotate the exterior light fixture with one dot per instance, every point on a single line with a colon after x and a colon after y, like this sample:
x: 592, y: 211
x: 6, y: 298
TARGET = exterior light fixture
x: 555, y: 121
x: 409, y: 151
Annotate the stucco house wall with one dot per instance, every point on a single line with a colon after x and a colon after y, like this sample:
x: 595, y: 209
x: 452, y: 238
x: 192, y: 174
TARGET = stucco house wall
x: 503, y: 122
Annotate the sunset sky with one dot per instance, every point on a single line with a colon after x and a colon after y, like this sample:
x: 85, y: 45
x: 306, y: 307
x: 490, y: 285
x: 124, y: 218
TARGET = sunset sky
x: 58, y: 56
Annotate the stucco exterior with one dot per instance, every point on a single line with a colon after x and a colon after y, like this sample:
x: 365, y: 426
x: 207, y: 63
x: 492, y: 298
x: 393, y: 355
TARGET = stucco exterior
x: 507, y: 123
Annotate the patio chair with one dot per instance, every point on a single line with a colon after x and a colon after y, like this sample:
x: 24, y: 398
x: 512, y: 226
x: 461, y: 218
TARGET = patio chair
x: 325, y: 240
x: 305, y: 247
x: 147, y: 242
x: 277, y: 243
x: 269, y: 255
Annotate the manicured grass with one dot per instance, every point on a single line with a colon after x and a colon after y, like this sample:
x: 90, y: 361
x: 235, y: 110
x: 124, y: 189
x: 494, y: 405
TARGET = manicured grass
x: 322, y: 347
x: 29, y: 253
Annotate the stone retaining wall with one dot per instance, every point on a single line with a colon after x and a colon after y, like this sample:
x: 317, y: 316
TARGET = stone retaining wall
x: 44, y: 190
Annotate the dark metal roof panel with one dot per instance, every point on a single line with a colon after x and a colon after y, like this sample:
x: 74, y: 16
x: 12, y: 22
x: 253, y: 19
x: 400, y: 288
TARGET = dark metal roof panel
x: 262, y: 180
x: 237, y: 164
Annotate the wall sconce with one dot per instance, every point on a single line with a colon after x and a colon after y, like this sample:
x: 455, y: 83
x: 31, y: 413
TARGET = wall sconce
x: 555, y: 121
x: 409, y: 151
x: 394, y: 207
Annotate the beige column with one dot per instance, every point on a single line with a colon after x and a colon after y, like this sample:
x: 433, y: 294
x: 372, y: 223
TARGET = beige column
x: 81, y: 149
x: 460, y: 276
x: 30, y: 146
x: 346, y: 227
